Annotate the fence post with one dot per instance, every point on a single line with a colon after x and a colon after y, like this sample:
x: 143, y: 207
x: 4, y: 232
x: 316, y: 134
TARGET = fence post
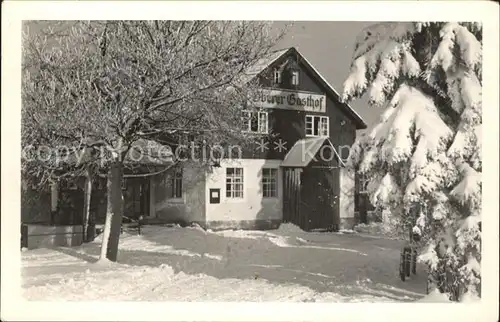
x: 24, y: 236
x: 414, y: 261
x: 402, y: 274
x: 408, y: 252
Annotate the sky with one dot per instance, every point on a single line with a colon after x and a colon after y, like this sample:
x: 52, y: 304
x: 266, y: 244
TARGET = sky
x: 329, y: 45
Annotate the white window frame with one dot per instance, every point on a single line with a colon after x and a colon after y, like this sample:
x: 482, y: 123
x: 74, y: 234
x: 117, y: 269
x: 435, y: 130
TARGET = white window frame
x: 269, y: 183
x: 175, y: 180
x: 236, y: 182
x: 262, y: 122
x: 277, y: 76
x: 321, y: 130
x: 295, y: 77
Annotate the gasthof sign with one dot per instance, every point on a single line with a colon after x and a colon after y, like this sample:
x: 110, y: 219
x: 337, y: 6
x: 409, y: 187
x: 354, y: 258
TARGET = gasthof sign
x: 290, y: 100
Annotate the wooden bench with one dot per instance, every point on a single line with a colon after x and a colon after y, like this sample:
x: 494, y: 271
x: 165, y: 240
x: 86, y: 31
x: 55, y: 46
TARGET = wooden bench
x: 131, y: 225
x: 408, y: 262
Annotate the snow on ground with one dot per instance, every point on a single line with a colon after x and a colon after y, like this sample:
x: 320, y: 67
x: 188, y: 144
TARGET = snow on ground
x: 374, y: 229
x: 190, y: 264
x: 435, y: 297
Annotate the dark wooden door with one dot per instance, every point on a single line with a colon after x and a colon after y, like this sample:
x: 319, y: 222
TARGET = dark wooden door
x: 136, y: 198
x: 320, y: 198
x: 145, y: 197
x: 70, y: 205
x: 292, y: 196
x: 335, y: 195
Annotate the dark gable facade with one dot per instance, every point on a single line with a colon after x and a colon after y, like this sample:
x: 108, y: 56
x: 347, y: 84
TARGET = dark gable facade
x: 295, y: 106
x: 290, y: 125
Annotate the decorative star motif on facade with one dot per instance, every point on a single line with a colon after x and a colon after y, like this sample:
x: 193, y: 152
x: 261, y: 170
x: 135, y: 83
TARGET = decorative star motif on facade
x: 261, y: 145
x: 280, y: 145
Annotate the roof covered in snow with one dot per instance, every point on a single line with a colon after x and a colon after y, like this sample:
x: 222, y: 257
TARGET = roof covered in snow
x: 142, y: 152
x: 304, y: 151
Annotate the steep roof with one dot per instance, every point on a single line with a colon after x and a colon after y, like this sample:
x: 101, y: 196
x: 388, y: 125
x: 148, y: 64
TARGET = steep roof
x: 297, y: 156
x: 265, y: 62
x: 261, y: 65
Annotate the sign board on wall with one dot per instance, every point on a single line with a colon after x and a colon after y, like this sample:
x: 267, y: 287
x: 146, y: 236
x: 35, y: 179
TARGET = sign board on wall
x: 215, y: 195
x: 290, y: 100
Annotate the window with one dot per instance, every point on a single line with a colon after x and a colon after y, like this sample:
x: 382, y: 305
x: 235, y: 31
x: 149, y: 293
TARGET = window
x: 277, y: 76
x: 424, y: 208
x: 363, y: 183
x: 186, y: 138
x: 269, y: 182
x: 176, y: 184
x: 72, y: 185
x: 317, y: 125
x: 255, y: 122
x: 234, y: 182
x: 101, y: 183
x: 295, y: 77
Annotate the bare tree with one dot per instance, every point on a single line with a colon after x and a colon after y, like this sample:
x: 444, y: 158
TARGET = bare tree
x: 99, y: 87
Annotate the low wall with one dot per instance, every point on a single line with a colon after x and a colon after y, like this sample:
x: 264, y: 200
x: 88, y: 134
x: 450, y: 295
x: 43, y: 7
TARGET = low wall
x: 347, y: 223
x: 259, y: 224
x: 53, y: 236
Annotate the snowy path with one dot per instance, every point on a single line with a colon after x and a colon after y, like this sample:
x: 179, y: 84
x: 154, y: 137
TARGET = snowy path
x: 189, y: 264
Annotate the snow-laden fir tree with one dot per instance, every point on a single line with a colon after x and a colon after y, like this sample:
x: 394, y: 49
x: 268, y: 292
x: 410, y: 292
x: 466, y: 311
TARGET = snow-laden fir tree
x: 424, y: 155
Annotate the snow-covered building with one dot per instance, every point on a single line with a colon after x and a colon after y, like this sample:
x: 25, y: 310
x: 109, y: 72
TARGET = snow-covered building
x: 296, y: 175
x: 292, y: 172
